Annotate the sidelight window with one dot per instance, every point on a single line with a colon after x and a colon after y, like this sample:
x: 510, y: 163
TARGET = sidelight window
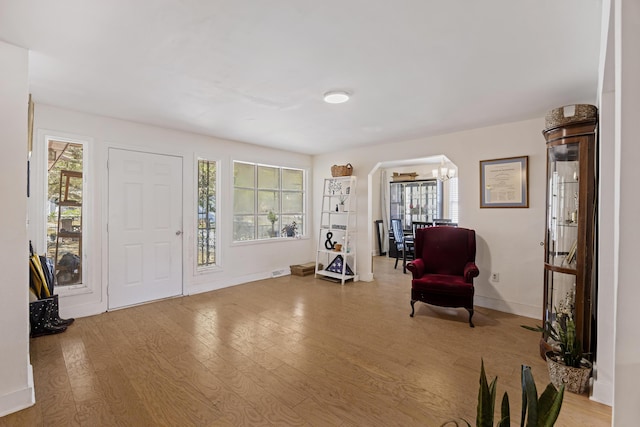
x: 207, y: 223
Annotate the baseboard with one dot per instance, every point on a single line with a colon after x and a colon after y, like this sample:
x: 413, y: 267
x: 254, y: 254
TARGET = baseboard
x: 19, y: 399
x: 508, y: 307
x: 602, y: 390
x: 83, y: 310
x: 366, y: 277
x: 90, y: 309
x: 225, y: 283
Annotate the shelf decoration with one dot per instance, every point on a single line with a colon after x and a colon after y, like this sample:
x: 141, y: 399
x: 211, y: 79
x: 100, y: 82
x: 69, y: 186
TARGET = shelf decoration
x: 335, y: 186
x: 336, y: 266
x: 571, y: 256
x: 409, y: 176
x: 328, y: 244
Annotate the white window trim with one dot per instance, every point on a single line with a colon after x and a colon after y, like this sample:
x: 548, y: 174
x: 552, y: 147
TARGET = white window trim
x: 305, y: 193
x: 40, y: 163
x: 454, y: 199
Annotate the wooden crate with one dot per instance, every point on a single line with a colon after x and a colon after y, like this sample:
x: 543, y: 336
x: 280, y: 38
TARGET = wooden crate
x: 409, y: 176
x: 304, y: 269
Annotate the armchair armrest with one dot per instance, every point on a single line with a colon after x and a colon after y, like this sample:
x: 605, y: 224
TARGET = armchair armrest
x: 470, y: 271
x: 416, y: 267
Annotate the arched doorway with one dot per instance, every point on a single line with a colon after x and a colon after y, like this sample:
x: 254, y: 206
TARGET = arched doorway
x: 437, y: 168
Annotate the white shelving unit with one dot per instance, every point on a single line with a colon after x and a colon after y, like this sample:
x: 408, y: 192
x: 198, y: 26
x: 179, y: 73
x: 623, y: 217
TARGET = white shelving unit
x: 338, y: 226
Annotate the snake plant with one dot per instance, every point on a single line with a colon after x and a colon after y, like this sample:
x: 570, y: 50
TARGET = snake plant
x: 537, y: 411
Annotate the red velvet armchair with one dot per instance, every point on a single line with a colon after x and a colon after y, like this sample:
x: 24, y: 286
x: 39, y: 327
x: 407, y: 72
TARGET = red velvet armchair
x: 444, y: 268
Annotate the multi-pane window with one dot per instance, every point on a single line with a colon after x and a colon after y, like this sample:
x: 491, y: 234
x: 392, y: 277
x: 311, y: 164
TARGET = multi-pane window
x: 453, y: 199
x: 65, y: 195
x: 268, y: 202
x: 206, y: 213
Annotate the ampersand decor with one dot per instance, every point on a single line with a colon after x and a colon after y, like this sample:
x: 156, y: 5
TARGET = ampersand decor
x: 328, y: 243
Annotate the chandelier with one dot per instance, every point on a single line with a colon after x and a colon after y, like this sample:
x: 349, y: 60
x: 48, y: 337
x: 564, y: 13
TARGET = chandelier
x: 443, y: 173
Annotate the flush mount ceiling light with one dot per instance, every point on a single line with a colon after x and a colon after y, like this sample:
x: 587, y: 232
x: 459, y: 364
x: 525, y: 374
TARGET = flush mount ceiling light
x: 336, y: 97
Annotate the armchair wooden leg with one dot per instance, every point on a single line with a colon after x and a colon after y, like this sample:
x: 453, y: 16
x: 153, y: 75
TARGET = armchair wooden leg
x: 412, y: 307
x: 404, y: 262
x: 470, y: 316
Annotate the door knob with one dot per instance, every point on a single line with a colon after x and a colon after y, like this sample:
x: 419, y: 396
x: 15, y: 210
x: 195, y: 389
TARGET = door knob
x: 179, y: 232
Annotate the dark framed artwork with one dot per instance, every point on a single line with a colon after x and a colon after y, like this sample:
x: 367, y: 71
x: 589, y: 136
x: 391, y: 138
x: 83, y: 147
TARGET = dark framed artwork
x: 504, y: 183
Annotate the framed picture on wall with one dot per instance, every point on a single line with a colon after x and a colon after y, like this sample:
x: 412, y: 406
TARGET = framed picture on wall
x: 504, y: 183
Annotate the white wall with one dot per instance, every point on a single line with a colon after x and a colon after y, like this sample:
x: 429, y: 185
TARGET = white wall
x: 239, y: 263
x: 508, y: 240
x: 606, y: 222
x: 16, y: 380
x: 626, y: 411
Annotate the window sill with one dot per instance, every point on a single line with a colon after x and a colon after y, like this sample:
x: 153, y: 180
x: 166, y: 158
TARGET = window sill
x: 201, y: 271
x: 267, y: 241
x: 71, y: 290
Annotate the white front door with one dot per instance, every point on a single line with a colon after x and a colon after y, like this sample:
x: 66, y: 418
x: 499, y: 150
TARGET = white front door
x: 145, y: 227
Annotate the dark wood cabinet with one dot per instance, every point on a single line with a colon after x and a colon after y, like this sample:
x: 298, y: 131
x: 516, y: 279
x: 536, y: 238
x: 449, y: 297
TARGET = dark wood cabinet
x: 414, y: 201
x: 570, y: 223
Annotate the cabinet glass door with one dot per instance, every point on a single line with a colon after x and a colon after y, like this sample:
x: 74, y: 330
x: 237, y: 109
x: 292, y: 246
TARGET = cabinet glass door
x: 561, y: 295
x: 414, y: 201
x: 562, y: 229
x: 396, y: 201
x: 420, y: 202
x: 562, y: 206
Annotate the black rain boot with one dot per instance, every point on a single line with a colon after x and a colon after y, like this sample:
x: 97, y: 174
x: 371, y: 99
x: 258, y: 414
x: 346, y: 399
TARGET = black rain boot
x: 40, y: 317
x: 36, y: 318
x: 55, y: 314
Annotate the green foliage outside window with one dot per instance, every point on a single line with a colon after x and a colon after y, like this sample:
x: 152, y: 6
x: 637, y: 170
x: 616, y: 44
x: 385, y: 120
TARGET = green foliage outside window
x: 206, y: 213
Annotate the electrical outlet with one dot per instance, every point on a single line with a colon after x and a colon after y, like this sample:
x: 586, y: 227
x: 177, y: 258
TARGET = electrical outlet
x: 495, y: 277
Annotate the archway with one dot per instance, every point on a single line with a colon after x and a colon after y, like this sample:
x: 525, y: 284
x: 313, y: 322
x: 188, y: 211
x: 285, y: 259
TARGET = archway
x: 378, y: 183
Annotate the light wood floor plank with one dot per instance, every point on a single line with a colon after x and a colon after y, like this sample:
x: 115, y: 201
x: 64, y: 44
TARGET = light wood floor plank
x: 285, y: 351
x: 125, y: 403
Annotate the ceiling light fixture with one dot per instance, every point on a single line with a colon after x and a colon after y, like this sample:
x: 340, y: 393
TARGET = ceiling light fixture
x: 443, y: 173
x: 336, y: 97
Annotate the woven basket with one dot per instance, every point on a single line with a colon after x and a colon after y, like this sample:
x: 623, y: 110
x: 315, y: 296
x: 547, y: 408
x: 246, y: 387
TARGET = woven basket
x: 341, y: 170
x: 581, y: 113
x: 576, y: 380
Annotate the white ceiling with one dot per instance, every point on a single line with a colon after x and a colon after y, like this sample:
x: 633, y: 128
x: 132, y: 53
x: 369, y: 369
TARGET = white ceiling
x: 255, y: 71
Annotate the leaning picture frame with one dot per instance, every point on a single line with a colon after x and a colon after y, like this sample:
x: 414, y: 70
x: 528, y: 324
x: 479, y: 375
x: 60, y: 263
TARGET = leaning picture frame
x: 504, y: 183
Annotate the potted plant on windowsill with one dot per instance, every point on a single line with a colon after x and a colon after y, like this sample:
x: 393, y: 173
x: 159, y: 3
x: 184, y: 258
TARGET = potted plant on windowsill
x: 566, y: 362
x: 290, y: 230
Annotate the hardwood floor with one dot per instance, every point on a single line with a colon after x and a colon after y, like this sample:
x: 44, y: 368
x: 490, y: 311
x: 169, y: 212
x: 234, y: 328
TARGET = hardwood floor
x: 286, y: 351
